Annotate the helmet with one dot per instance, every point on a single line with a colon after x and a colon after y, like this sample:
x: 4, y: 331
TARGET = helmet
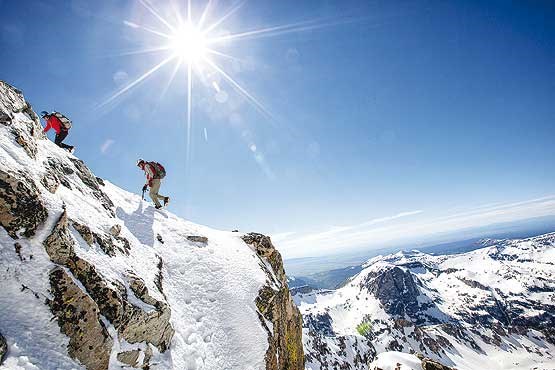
x: 140, y: 162
x: 44, y: 114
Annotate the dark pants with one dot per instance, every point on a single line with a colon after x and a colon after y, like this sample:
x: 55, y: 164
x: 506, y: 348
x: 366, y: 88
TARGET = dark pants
x: 60, y: 137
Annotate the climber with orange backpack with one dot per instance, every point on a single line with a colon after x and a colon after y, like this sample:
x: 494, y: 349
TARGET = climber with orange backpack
x: 61, y: 124
x: 154, y: 172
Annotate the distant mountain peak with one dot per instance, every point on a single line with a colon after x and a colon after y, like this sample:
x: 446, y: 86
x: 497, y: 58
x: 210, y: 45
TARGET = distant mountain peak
x: 489, y: 308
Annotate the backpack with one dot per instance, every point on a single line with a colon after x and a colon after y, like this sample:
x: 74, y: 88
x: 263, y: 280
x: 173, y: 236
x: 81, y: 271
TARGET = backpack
x: 160, y: 170
x: 65, y: 122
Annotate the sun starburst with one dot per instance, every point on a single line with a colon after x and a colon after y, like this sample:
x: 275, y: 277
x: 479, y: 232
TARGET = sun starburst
x: 193, y: 43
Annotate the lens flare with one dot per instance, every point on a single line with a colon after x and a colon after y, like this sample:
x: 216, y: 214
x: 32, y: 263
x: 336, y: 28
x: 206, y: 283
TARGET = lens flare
x: 189, y: 44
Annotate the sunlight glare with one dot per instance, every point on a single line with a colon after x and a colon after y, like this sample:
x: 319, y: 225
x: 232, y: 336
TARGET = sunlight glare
x: 189, y: 44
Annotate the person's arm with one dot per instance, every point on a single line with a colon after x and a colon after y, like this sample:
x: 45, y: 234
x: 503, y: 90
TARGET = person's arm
x: 48, y: 125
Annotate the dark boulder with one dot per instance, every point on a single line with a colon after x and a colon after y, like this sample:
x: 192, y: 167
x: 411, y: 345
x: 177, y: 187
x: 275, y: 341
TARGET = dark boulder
x: 20, y: 205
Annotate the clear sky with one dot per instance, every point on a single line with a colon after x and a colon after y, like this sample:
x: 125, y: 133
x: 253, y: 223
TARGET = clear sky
x: 374, y: 111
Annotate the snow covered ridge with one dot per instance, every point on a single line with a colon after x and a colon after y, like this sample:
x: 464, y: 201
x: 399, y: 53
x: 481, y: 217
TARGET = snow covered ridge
x: 94, y: 278
x: 492, y: 308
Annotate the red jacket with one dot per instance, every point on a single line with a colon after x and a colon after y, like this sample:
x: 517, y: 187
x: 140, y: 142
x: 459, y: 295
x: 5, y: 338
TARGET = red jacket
x: 53, y: 122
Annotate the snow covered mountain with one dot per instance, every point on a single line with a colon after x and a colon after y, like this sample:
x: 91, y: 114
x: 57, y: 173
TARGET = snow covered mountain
x: 94, y: 278
x: 492, y: 308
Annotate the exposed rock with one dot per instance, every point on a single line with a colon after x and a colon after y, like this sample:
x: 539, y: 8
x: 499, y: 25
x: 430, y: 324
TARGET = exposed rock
x: 20, y: 204
x: 26, y: 141
x: 60, y: 247
x: 14, y: 102
x: 197, y: 239
x: 429, y: 364
x: 398, y: 293
x: 473, y: 283
x: 17, y: 247
x: 79, y: 319
x: 59, y: 244
x: 274, y: 303
x: 153, y: 327
x: 115, y: 230
x: 140, y: 290
x: 85, y: 232
x: 107, y: 242
x: 133, y: 324
x: 50, y: 181
x: 320, y: 323
x: 264, y: 248
x: 159, y: 238
x: 159, y: 277
x: 3, y: 349
x: 5, y: 118
x: 59, y: 167
x: 56, y: 172
x: 100, y: 181
x: 90, y: 181
x: 130, y: 358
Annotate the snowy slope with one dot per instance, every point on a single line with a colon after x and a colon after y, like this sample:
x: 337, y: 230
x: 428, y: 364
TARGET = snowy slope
x: 207, y: 292
x: 490, y: 308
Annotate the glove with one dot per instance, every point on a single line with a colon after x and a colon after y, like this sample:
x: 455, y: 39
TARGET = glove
x: 145, y: 187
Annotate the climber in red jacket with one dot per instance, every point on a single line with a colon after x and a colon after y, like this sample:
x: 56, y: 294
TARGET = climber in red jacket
x: 61, y: 124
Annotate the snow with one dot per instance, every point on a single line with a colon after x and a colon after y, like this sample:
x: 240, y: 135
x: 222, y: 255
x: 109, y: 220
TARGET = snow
x: 210, y: 288
x: 391, y: 360
x: 457, y: 287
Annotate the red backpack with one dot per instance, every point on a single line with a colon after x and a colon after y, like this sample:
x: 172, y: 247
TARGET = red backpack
x: 160, y: 171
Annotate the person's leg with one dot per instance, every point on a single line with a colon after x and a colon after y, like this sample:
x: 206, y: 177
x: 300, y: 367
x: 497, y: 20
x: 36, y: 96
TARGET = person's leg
x: 155, y: 186
x: 59, y: 138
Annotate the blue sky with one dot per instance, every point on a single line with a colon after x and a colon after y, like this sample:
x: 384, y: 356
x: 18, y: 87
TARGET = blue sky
x: 423, y: 109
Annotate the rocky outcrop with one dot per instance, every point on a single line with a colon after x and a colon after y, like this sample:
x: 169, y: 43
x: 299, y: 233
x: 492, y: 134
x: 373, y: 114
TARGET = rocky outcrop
x: 429, y: 364
x: 79, y: 319
x: 134, y: 359
x: 57, y: 171
x: 21, y: 209
x: 109, y: 298
x: 396, y: 290
x: 26, y: 141
x: 3, y: 349
x: 275, y: 305
x: 197, y: 239
x: 13, y: 102
x: 109, y: 243
x: 91, y: 182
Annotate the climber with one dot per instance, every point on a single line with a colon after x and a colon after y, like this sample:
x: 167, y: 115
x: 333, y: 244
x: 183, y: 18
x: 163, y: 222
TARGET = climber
x: 61, y: 124
x: 154, y: 172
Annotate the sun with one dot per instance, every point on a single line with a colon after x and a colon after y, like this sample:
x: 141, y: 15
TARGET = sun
x: 189, y: 44
x: 195, y: 41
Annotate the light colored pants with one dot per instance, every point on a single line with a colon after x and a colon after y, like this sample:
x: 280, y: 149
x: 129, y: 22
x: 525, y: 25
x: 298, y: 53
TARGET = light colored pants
x: 154, y: 191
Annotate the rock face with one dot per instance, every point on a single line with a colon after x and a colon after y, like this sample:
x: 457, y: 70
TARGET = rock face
x: 132, y: 323
x: 274, y: 302
x: 20, y: 205
x: 79, y: 319
x: 396, y: 290
x: 3, y: 348
x: 84, y: 274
